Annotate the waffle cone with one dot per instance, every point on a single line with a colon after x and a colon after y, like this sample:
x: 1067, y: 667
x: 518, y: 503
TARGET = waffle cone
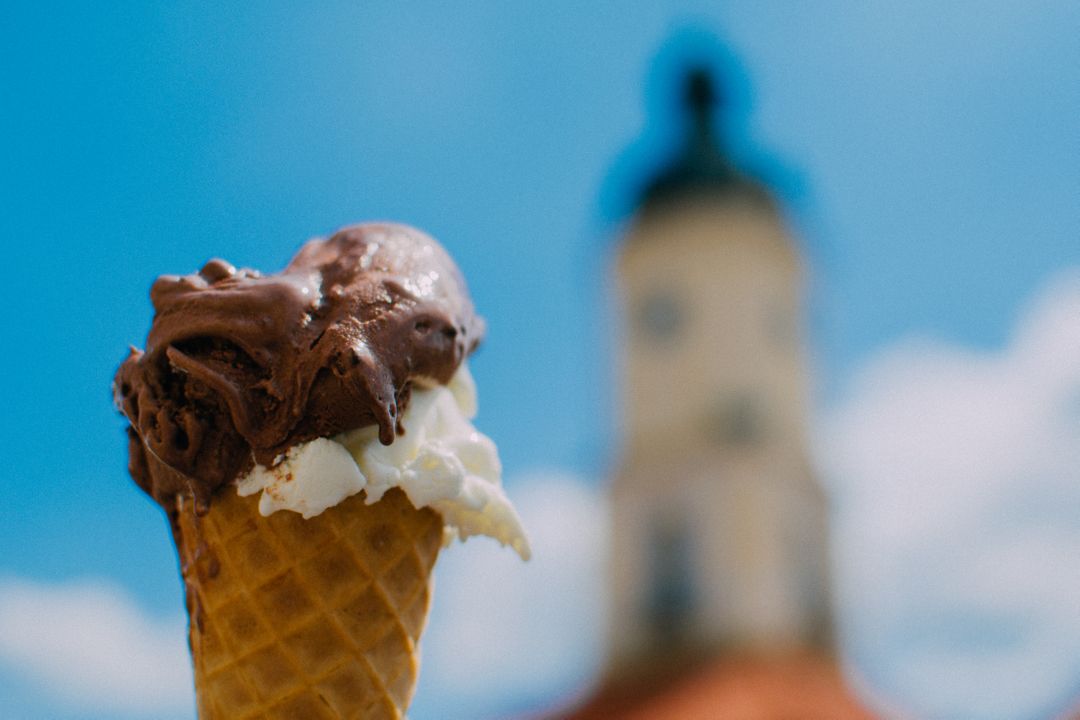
x: 318, y: 618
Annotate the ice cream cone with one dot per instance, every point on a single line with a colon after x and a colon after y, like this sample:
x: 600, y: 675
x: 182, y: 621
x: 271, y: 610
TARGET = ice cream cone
x: 264, y: 413
x: 315, y: 618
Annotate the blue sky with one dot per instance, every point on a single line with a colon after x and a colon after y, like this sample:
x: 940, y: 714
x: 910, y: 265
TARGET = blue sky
x: 929, y: 155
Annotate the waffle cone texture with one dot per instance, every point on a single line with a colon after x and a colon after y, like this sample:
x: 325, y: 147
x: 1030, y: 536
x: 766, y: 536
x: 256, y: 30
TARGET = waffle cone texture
x: 298, y: 619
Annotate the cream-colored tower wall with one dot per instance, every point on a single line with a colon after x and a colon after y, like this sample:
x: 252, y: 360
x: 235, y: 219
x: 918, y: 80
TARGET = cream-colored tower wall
x: 735, y: 278
x: 714, y: 443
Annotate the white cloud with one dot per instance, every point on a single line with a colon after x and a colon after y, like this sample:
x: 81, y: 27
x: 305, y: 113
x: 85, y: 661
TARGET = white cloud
x: 91, y: 646
x: 505, y: 634
x: 957, y: 479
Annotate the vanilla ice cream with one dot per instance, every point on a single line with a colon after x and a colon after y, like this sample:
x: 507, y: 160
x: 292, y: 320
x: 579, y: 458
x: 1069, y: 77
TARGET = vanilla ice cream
x: 441, y: 461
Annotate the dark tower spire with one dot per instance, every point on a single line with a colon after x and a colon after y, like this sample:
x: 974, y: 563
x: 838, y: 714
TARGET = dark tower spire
x: 700, y: 167
x: 702, y: 143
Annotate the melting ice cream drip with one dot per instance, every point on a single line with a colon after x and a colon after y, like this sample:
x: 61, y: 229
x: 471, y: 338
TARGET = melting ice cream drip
x: 441, y: 462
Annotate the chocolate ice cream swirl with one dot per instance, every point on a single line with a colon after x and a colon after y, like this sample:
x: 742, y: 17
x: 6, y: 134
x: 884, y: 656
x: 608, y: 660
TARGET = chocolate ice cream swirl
x: 240, y: 367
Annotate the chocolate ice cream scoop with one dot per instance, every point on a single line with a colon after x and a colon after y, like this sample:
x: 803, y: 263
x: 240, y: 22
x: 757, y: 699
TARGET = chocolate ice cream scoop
x: 240, y: 367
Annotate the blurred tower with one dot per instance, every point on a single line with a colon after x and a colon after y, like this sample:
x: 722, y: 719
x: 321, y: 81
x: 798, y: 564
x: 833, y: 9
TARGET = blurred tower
x: 719, y: 525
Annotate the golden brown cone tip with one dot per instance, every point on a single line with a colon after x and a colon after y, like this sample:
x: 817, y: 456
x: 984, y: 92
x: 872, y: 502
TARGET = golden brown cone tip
x: 316, y: 618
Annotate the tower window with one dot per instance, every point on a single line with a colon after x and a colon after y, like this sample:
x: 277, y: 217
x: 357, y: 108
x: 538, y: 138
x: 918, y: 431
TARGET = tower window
x: 738, y: 420
x: 660, y: 316
x: 671, y: 593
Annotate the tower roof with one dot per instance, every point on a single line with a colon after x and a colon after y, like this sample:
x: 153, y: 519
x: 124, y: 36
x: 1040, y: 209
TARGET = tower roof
x: 701, y: 166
